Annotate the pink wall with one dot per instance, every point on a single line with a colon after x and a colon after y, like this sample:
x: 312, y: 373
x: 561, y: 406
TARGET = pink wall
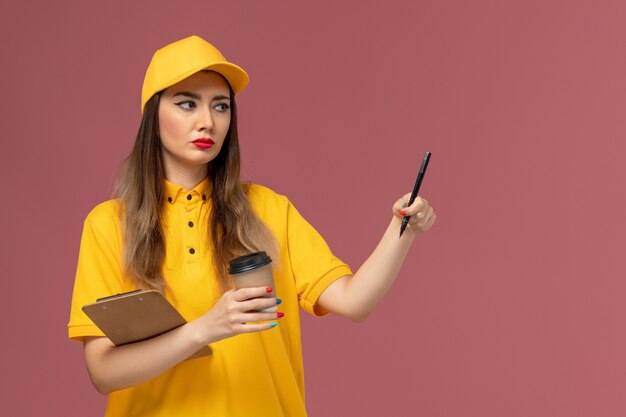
x: 513, y: 305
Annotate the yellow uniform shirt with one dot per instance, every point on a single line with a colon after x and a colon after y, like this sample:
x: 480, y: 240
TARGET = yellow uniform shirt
x: 257, y: 374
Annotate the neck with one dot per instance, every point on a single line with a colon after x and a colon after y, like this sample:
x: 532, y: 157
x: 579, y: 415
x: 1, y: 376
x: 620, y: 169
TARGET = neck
x: 187, y: 178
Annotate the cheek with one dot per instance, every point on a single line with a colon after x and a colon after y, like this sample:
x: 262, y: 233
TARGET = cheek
x: 224, y: 125
x: 170, y: 127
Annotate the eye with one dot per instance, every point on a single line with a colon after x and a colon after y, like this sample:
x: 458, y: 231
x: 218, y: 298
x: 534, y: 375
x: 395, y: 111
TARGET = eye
x: 222, y: 107
x: 187, y: 104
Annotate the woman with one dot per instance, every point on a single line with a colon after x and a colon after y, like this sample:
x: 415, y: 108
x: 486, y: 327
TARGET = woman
x: 180, y: 215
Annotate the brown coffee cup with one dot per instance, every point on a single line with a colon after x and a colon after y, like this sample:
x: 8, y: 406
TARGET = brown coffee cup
x: 253, y: 270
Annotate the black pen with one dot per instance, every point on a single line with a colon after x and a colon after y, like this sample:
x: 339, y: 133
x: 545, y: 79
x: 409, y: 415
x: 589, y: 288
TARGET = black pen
x: 416, y: 189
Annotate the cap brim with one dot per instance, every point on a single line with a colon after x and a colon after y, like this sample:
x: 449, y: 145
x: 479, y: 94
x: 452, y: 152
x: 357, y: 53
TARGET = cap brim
x: 235, y: 75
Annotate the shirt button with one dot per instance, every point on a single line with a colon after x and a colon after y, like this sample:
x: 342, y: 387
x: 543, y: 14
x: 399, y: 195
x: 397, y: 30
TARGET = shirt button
x: 188, y: 196
x: 203, y: 197
x: 192, y: 251
x: 169, y: 199
x: 190, y: 224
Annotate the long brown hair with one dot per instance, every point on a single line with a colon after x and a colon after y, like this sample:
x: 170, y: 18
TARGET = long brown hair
x: 234, y: 227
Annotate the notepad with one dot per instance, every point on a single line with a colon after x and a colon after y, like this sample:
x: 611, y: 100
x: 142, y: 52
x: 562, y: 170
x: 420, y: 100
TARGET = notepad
x: 136, y: 316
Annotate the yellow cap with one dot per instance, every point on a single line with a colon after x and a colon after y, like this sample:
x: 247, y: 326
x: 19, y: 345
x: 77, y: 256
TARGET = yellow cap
x: 183, y: 58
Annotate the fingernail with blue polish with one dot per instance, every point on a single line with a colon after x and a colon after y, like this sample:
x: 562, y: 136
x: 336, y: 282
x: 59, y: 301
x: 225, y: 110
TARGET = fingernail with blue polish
x: 273, y: 324
x: 278, y: 301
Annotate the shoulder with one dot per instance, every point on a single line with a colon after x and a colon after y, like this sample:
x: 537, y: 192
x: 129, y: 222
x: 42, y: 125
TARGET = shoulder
x: 271, y: 207
x: 261, y: 196
x: 105, y: 217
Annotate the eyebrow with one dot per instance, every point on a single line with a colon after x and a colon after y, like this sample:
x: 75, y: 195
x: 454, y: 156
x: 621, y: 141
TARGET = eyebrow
x: 197, y: 96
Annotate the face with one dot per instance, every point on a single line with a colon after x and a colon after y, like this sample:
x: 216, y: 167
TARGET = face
x: 194, y: 118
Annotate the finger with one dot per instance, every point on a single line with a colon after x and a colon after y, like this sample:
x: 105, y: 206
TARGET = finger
x: 401, y: 207
x: 425, y: 211
x: 419, y: 204
x: 255, y: 327
x: 430, y: 222
x: 262, y: 303
x: 423, y: 216
x: 401, y: 203
x: 411, y: 210
x: 244, y: 294
x: 425, y: 224
x: 259, y: 316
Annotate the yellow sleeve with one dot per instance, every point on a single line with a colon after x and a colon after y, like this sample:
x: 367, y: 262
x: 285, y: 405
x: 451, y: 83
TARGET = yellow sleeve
x: 313, y: 265
x: 99, y: 271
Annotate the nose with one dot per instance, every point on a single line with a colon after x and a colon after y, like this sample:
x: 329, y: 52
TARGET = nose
x: 205, y: 119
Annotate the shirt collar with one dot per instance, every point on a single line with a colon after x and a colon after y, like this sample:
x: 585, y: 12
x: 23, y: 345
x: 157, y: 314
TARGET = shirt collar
x: 174, y: 192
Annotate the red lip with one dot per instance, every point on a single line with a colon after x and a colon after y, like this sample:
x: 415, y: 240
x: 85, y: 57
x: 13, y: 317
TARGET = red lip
x: 203, y: 143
